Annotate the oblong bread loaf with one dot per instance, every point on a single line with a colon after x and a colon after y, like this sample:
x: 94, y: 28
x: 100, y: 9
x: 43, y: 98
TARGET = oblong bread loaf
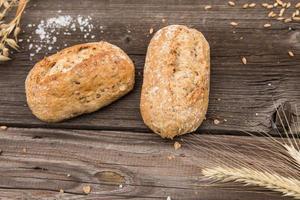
x: 175, y: 90
x: 77, y: 80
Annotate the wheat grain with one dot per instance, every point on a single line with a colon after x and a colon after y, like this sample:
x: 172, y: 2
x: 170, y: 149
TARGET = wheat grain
x: 286, y: 185
x: 281, y: 12
x: 231, y: 3
x: 244, y: 60
x: 252, y: 5
x: 246, y: 5
x: 234, y: 23
x: 13, y: 27
x: 208, y: 7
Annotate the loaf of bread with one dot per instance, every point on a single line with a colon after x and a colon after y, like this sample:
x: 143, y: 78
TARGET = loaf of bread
x: 77, y: 80
x: 175, y: 90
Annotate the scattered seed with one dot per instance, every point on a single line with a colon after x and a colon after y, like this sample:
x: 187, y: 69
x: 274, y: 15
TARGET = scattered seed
x: 177, y: 145
x: 3, y: 128
x: 244, y: 60
x: 246, y: 5
x: 4, y: 58
x: 233, y: 24
x: 270, y: 6
x: 288, y: 20
x: 68, y: 175
x: 288, y: 5
x: 281, y: 12
x: 120, y: 186
x: 265, y: 5
x: 86, y: 189
x: 24, y: 150
x: 279, y: 2
x: 280, y: 18
x: 272, y: 14
x: 267, y: 25
x: 163, y: 20
x: 207, y: 7
x: 291, y: 53
x: 171, y: 157
x: 275, y: 5
x: 231, y: 3
x: 151, y: 30
x: 225, y: 120
x: 216, y: 122
x: 297, y: 5
x: 252, y: 5
x: 296, y: 18
x: 5, y: 52
x: 61, y: 191
x: 297, y: 12
x: 169, y: 198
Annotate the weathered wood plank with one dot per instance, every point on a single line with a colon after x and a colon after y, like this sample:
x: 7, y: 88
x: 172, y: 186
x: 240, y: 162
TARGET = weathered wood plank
x: 242, y: 95
x: 35, y: 164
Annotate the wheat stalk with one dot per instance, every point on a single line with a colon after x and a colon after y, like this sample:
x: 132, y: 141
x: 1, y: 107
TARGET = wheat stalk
x: 260, y: 175
x: 286, y: 185
x: 10, y: 29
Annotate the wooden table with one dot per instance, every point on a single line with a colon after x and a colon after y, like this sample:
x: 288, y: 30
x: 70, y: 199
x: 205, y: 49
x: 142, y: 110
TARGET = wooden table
x: 112, y: 150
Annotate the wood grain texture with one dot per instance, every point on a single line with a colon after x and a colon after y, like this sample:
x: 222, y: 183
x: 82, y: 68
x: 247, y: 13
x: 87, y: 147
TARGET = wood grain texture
x: 238, y: 91
x: 35, y: 164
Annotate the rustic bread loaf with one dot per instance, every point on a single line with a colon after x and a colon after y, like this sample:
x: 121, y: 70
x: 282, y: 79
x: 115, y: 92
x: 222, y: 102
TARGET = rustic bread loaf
x: 77, y: 80
x: 175, y: 90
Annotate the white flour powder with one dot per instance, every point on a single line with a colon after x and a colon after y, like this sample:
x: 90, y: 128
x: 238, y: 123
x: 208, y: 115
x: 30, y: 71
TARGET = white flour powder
x: 48, y: 31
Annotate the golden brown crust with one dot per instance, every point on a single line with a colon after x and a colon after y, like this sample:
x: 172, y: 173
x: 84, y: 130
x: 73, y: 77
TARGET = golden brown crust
x: 175, y: 90
x: 77, y: 80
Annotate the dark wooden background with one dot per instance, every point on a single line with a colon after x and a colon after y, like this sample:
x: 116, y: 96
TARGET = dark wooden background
x: 113, y: 146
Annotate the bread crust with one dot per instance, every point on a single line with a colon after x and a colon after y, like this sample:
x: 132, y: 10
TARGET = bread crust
x: 77, y: 80
x: 175, y: 90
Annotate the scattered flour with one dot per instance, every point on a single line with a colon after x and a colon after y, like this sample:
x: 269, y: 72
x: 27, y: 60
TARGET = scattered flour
x: 48, y: 31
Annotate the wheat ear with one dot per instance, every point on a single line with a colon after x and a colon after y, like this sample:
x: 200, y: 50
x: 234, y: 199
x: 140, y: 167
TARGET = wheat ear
x: 286, y: 185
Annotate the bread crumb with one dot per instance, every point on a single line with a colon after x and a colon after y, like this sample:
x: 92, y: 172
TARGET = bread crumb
x: 207, y: 7
x: 3, y: 128
x: 244, y: 60
x: 61, y: 191
x: 151, y: 30
x: 216, y: 122
x: 177, y: 145
x: 291, y: 53
x: 267, y: 25
x: 86, y: 189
